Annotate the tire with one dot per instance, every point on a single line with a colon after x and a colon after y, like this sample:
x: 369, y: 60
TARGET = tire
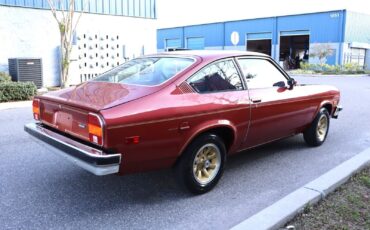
x: 316, y: 133
x: 202, y: 163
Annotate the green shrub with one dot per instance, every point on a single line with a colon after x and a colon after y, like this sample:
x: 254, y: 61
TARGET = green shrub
x: 17, y: 91
x: 352, y: 68
x: 301, y: 71
x: 349, y: 68
x: 305, y: 66
x: 331, y: 69
x: 4, y: 77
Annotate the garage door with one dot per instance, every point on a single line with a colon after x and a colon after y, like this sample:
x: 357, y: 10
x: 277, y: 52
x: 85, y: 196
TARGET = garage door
x: 259, y: 42
x: 195, y: 43
x: 173, y: 43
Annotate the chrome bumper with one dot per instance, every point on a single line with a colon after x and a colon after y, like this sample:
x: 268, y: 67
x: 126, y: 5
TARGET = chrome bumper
x: 336, y: 111
x: 88, y: 158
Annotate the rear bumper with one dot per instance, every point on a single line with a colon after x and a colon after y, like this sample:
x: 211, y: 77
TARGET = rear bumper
x: 91, y: 159
x: 337, y: 111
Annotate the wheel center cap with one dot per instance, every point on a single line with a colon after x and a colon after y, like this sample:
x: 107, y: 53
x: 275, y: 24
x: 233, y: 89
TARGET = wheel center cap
x: 207, y: 163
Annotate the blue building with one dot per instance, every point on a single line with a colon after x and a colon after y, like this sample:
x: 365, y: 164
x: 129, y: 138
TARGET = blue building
x: 345, y: 33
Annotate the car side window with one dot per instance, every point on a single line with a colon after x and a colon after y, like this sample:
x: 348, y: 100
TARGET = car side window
x: 261, y: 73
x: 220, y: 76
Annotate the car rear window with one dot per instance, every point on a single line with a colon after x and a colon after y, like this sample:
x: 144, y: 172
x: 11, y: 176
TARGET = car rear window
x: 146, y: 71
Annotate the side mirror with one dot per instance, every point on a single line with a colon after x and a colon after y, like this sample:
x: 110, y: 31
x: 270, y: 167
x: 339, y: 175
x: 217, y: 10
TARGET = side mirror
x: 279, y: 84
x: 291, y: 83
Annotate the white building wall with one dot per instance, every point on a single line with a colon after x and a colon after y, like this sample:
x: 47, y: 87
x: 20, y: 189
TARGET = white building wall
x: 367, y: 59
x: 34, y: 33
x: 346, y: 50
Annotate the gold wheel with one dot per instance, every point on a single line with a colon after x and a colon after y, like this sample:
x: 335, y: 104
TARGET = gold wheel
x: 322, y: 128
x: 206, y: 163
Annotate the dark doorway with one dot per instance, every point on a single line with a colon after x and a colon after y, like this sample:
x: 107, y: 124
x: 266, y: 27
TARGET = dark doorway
x: 261, y: 46
x: 294, y: 50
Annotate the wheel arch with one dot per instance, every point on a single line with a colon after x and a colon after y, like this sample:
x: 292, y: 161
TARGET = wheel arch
x: 225, y: 131
x: 327, y: 104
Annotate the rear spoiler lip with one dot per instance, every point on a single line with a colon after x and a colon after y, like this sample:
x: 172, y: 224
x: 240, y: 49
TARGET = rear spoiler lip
x: 69, y: 103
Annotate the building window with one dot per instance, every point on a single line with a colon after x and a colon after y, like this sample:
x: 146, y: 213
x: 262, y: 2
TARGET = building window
x: 355, y: 56
x: 131, y: 7
x: 106, y: 7
x: 153, y: 9
x: 119, y: 7
x: 142, y: 8
x: 147, y: 9
x: 125, y: 7
x: 135, y: 8
x: 92, y: 7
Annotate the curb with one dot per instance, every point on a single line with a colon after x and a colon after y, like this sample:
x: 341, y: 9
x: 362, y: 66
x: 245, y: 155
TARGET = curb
x: 282, y: 211
x: 327, y: 75
x: 14, y: 105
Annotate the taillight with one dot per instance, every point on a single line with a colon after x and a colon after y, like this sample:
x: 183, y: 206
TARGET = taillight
x: 36, y: 109
x: 95, y: 126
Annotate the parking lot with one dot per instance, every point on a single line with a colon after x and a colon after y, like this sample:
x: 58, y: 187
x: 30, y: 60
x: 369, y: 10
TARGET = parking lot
x: 41, y: 190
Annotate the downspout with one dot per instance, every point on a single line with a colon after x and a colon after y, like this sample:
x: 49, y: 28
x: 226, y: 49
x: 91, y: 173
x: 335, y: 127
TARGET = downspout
x: 224, y: 34
x: 155, y: 9
x: 183, y: 37
x: 342, y: 36
x: 275, y: 42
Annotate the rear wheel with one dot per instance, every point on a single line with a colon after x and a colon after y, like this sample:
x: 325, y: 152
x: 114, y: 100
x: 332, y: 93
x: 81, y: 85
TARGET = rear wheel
x: 201, y: 165
x: 316, y: 134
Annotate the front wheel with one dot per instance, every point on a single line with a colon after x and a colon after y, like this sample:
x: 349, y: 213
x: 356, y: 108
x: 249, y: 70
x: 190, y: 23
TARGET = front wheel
x: 315, y: 135
x: 201, y: 165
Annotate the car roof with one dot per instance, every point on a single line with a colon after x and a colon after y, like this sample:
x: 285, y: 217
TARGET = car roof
x: 212, y: 54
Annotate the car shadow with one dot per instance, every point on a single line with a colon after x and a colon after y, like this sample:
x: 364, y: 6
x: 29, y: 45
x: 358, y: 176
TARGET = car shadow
x: 87, y: 193
x: 250, y: 156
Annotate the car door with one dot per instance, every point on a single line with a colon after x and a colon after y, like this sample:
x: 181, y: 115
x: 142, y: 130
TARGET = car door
x: 276, y: 111
x: 222, y: 95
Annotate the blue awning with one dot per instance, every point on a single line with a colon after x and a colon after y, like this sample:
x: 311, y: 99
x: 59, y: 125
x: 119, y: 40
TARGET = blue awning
x: 259, y: 36
x: 294, y: 33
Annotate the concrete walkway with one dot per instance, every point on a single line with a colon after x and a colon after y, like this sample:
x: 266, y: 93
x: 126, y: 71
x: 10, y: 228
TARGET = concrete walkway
x: 14, y: 105
x: 282, y: 211
x: 327, y: 75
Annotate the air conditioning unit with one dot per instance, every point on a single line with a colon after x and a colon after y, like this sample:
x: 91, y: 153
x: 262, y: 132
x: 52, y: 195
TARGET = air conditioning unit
x: 26, y: 69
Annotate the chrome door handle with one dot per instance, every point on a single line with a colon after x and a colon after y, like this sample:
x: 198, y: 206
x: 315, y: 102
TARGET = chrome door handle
x: 256, y: 100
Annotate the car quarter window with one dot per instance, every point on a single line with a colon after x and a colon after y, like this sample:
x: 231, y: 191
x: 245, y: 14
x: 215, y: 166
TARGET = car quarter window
x: 261, y: 73
x: 216, y: 77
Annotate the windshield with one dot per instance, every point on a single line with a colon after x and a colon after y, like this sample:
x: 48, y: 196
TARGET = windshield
x: 146, y: 71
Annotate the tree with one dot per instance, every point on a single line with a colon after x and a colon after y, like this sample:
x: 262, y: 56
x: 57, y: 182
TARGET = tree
x: 65, y: 17
x: 322, y: 51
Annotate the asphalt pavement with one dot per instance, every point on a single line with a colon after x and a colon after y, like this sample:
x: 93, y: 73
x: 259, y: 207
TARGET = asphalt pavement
x: 41, y: 190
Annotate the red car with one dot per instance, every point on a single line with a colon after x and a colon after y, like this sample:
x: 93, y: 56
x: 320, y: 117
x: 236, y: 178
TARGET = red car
x: 189, y: 110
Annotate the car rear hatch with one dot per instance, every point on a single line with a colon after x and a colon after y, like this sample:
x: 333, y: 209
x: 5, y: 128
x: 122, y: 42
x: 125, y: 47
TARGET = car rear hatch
x: 65, y: 118
x: 68, y: 110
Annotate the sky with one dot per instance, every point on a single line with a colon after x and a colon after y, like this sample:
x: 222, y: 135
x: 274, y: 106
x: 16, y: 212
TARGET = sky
x: 172, y: 13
